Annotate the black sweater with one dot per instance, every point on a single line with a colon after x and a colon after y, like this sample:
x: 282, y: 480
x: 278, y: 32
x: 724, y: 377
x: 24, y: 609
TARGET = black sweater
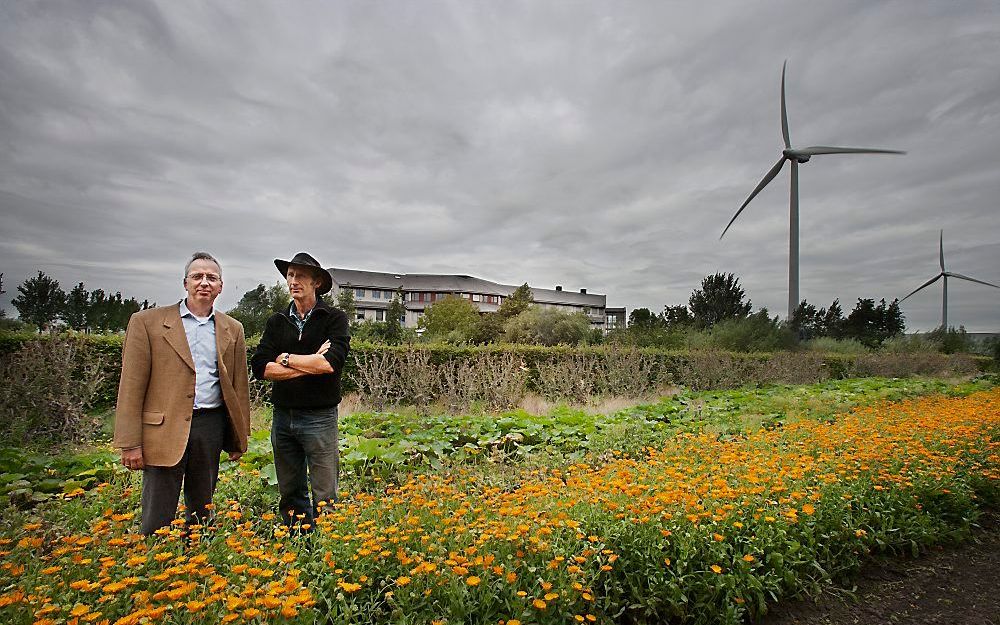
x: 282, y: 335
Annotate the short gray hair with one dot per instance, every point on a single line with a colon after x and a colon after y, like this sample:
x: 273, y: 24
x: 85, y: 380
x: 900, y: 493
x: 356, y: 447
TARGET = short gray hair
x: 202, y: 256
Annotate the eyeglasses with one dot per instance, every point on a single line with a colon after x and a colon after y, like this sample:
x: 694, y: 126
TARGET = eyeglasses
x: 210, y: 277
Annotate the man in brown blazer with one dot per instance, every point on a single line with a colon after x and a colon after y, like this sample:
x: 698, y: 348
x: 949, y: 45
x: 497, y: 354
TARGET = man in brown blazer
x: 183, y: 398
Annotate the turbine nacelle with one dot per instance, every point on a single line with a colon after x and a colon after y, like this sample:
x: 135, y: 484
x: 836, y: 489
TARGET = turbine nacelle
x: 796, y: 155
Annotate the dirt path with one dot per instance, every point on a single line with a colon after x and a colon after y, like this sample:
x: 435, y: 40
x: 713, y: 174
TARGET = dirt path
x: 956, y: 585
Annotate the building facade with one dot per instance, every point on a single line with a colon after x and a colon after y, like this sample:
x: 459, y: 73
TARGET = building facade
x: 373, y: 291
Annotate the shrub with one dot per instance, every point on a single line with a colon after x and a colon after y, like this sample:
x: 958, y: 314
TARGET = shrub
x: 756, y: 333
x: 48, y: 385
x: 828, y: 345
x: 547, y: 326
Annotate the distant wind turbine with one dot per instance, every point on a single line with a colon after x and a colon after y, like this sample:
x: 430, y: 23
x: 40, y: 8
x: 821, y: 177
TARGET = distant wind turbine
x: 795, y: 156
x: 945, y: 274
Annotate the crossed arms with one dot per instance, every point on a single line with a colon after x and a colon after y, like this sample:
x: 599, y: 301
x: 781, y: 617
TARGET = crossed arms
x: 299, y: 365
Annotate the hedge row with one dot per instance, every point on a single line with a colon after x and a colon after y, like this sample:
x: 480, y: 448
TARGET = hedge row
x: 422, y: 373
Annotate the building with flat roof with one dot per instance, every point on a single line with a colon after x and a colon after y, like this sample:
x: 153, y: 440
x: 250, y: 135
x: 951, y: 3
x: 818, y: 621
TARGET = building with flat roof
x: 373, y: 290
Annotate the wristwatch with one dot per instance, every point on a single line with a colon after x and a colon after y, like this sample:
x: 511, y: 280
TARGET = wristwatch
x: 284, y: 359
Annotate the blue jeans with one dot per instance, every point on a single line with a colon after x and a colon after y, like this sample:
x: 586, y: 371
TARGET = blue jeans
x: 305, y: 443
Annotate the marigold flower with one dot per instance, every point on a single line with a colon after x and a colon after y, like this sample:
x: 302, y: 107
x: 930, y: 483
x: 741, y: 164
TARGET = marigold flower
x: 716, y: 568
x: 539, y: 604
x: 472, y: 580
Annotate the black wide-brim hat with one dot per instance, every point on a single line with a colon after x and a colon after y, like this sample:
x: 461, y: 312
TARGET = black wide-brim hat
x: 305, y: 260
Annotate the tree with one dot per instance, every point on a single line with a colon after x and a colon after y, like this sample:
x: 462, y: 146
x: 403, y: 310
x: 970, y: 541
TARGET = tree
x: 547, y: 326
x: 516, y: 303
x: 872, y: 325
x: 452, y: 319
x: 40, y: 301
x: 395, y: 316
x: 644, y: 318
x: 345, y: 302
x: 488, y: 329
x: 677, y: 316
x: 75, y: 309
x: 258, y: 304
x: 719, y: 298
x: 97, y: 311
x: 831, y: 321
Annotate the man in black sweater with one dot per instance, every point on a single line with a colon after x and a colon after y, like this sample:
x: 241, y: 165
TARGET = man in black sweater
x: 302, y: 352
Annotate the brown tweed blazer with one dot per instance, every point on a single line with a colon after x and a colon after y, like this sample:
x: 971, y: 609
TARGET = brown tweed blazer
x: 156, y: 393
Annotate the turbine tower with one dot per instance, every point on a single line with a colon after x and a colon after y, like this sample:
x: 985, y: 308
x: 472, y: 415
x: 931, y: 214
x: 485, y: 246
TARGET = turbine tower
x: 945, y: 275
x: 795, y: 156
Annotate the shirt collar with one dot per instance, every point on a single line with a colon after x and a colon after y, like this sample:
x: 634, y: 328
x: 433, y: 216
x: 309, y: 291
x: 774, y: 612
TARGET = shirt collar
x: 185, y: 311
x: 294, y: 313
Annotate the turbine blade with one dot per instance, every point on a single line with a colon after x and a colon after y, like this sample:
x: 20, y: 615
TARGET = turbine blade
x: 784, y: 113
x: 768, y: 177
x: 826, y: 149
x: 952, y: 274
x: 924, y: 285
x: 941, y: 248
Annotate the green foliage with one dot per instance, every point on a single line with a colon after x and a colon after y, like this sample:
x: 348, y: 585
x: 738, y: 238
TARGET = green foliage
x: 488, y: 329
x: 808, y: 323
x: 719, y: 298
x: 547, y: 326
x: 755, y: 333
x: 395, y: 316
x: 951, y: 341
x: 515, y: 303
x: 677, y: 316
x: 345, y: 302
x: 872, y: 325
x: 258, y: 304
x: 452, y: 319
x: 40, y: 300
x: 75, y: 311
x: 829, y: 345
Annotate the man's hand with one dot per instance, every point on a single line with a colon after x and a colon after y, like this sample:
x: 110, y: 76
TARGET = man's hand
x: 132, y: 459
x: 235, y: 455
x: 325, y: 347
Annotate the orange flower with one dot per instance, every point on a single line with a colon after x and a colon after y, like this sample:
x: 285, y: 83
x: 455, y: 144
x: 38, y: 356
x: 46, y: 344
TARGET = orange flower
x: 472, y: 580
x: 716, y: 568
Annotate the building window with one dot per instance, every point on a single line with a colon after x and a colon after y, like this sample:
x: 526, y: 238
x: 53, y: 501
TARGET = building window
x: 376, y: 294
x: 387, y: 294
x: 379, y: 315
x: 476, y: 297
x: 360, y: 315
x: 359, y: 292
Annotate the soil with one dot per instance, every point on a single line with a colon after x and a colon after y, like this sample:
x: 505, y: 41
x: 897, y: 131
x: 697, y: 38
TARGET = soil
x: 954, y: 585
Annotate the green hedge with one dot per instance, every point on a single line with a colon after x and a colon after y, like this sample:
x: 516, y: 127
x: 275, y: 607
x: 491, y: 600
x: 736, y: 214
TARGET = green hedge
x: 696, y: 369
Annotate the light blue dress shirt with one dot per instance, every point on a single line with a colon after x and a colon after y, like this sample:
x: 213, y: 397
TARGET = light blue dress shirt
x: 201, y: 341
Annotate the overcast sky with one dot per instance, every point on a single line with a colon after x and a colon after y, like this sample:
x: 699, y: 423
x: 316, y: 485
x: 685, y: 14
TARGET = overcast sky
x: 598, y: 145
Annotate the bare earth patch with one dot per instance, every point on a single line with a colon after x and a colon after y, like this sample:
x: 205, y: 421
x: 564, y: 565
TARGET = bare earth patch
x: 954, y: 585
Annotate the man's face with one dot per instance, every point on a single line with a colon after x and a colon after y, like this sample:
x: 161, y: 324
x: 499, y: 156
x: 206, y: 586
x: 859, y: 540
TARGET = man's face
x: 203, y: 282
x: 302, y: 282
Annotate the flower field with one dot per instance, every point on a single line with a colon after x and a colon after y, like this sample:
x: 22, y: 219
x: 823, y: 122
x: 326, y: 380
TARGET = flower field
x: 709, y: 525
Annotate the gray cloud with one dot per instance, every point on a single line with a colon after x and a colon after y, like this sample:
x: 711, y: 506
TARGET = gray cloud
x: 584, y: 144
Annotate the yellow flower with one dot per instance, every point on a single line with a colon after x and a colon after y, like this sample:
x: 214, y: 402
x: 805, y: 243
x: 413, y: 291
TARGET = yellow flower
x: 748, y: 558
x: 716, y: 568
x: 472, y: 580
x: 538, y: 603
x: 402, y: 581
x: 348, y: 587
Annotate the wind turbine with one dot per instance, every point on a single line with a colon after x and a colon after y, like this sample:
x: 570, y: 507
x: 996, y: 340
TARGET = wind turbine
x: 945, y: 274
x: 795, y: 156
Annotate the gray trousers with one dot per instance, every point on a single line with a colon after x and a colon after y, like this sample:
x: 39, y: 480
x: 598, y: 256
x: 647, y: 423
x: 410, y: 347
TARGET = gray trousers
x: 198, y: 472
